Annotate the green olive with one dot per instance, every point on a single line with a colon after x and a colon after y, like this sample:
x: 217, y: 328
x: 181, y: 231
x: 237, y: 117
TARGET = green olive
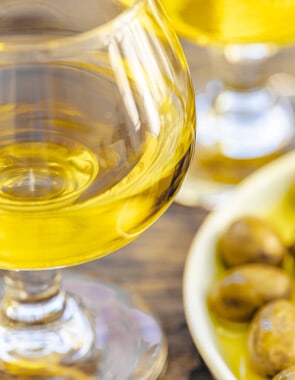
x: 286, y: 374
x: 244, y: 289
x: 251, y: 239
x: 271, y: 340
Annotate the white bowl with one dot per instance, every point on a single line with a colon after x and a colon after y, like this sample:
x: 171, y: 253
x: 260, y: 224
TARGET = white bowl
x: 254, y: 196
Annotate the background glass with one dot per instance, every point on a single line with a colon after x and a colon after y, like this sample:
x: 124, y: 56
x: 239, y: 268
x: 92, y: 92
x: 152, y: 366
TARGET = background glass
x: 97, y: 128
x: 242, y: 122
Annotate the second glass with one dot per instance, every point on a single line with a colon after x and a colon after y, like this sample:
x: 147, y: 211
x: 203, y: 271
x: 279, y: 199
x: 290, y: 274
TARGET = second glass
x: 242, y: 123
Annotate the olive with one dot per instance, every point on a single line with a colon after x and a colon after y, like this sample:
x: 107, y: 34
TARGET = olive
x: 286, y: 374
x: 251, y: 239
x: 244, y: 289
x: 271, y: 340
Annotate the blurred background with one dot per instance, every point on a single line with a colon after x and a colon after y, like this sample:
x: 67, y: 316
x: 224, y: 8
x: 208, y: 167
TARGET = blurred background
x: 240, y: 55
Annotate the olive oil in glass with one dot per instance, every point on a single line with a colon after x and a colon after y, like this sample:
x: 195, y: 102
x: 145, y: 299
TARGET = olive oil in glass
x: 76, y: 187
x: 239, y: 22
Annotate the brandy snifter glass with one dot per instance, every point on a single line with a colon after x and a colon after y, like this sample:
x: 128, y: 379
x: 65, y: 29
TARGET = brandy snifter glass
x: 97, y: 128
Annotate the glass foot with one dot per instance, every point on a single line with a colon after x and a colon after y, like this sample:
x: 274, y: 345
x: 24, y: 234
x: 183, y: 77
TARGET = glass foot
x: 129, y: 343
x: 129, y: 340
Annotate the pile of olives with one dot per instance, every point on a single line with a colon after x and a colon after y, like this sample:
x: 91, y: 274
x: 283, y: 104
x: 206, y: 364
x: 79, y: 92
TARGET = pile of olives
x: 256, y: 290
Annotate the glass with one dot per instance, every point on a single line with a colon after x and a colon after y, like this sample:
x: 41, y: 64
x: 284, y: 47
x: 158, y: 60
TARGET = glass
x: 97, y: 128
x: 242, y: 122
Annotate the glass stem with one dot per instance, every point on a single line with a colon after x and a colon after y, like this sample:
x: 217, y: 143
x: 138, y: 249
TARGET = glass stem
x: 33, y: 297
x: 243, y: 119
x: 41, y: 323
x: 242, y: 67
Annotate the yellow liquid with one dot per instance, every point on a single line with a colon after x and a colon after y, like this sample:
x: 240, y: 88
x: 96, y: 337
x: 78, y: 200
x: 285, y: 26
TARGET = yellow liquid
x: 232, y: 338
x: 239, y: 21
x: 74, y: 188
x: 44, y: 220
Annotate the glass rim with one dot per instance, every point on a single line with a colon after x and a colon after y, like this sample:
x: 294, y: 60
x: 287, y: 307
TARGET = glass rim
x: 66, y: 45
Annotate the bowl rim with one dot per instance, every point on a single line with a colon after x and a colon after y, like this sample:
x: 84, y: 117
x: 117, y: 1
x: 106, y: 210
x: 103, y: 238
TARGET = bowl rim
x: 248, y: 198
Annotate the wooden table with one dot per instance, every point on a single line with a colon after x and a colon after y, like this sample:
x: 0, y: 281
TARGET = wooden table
x: 153, y: 267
